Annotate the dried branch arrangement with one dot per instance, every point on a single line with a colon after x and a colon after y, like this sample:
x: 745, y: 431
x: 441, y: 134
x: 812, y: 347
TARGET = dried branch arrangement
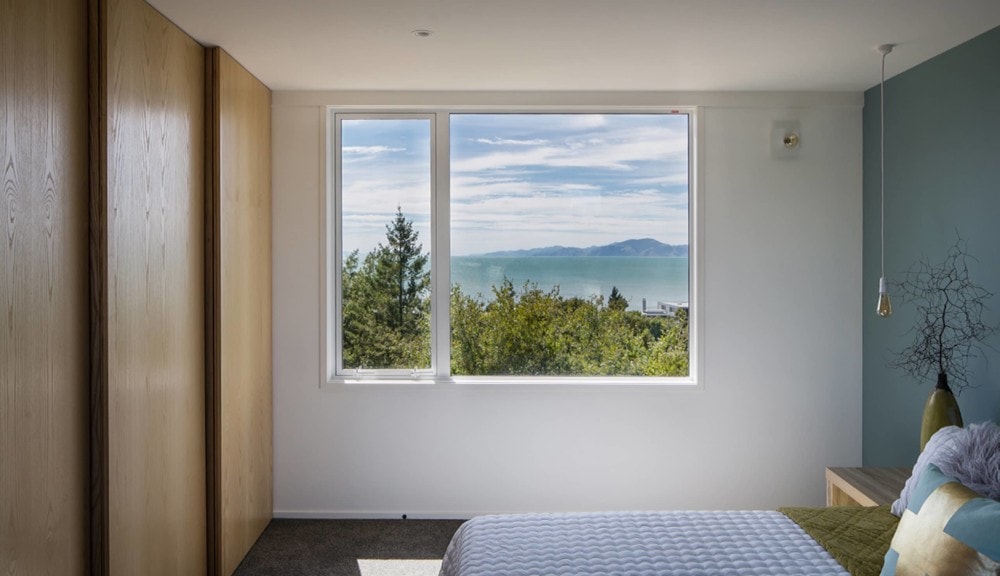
x: 950, y: 328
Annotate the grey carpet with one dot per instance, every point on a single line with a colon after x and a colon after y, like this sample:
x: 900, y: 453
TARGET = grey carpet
x: 334, y: 547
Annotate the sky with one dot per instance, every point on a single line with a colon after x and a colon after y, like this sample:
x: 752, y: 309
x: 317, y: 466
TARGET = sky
x: 520, y: 180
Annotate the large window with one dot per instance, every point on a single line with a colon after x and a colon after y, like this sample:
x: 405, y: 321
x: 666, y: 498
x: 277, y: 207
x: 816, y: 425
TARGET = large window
x: 510, y: 246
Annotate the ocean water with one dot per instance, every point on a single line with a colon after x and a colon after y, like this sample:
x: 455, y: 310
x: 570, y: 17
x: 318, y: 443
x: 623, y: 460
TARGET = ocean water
x: 655, y: 279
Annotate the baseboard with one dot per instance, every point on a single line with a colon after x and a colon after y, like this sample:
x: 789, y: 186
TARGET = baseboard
x: 330, y: 515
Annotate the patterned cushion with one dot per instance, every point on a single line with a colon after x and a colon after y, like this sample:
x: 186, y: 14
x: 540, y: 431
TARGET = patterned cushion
x: 933, y: 454
x: 947, y: 529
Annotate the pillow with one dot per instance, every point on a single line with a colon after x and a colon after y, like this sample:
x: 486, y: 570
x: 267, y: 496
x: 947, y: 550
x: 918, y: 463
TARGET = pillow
x: 937, y: 443
x: 945, y: 530
x: 972, y: 457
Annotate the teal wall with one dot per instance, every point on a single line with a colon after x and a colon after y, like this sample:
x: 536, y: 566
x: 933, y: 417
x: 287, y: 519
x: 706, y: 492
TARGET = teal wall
x: 942, y: 163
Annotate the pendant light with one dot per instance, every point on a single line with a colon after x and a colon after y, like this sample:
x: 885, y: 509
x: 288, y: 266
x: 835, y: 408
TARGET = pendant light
x: 884, y: 307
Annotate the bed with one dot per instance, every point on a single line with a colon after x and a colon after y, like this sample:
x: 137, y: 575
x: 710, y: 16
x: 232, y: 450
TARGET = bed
x: 745, y: 543
x: 946, y: 522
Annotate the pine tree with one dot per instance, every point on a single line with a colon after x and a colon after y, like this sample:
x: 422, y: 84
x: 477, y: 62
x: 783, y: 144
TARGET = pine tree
x: 616, y: 301
x: 403, y: 272
x: 386, y: 302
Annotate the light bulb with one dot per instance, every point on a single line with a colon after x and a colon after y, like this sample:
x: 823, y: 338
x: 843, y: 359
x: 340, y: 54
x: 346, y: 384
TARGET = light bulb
x: 884, y: 307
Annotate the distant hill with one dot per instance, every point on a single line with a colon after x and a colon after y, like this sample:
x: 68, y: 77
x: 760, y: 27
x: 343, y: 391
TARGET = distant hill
x: 635, y: 247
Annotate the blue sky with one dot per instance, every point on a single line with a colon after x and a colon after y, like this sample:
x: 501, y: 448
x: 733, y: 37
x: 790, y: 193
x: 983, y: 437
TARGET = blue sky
x: 522, y: 180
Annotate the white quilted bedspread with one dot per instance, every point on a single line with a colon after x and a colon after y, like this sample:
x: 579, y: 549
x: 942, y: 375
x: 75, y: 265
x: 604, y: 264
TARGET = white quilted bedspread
x: 677, y: 543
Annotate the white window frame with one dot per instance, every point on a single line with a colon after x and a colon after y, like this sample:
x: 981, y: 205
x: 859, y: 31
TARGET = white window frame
x: 334, y: 268
x: 331, y: 263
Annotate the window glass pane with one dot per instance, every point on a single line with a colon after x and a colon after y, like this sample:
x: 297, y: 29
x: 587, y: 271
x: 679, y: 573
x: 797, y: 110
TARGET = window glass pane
x: 385, y: 179
x: 569, y: 244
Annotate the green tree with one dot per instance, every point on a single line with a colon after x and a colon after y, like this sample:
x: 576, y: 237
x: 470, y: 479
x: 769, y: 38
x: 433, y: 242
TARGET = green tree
x: 386, y: 302
x: 527, y: 331
x: 403, y: 274
x: 534, y: 332
x: 616, y: 301
x: 669, y: 353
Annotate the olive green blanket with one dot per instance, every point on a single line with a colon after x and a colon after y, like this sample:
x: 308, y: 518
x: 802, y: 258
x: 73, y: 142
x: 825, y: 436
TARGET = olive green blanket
x: 856, y: 537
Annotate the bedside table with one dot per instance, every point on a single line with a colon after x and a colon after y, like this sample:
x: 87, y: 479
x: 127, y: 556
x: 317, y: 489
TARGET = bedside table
x: 864, y: 486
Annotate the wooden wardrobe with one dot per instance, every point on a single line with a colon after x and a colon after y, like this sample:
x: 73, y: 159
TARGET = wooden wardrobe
x: 135, y: 295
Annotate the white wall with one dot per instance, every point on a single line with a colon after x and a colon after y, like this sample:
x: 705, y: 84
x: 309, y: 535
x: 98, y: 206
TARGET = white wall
x: 781, y: 395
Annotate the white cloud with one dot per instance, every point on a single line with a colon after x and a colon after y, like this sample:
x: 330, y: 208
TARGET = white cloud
x: 369, y: 202
x: 612, y: 150
x: 511, y: 142
x: 511, y: 223
x: 370, y: 149
x: 467, y: 189
x: 578, y: 180
x: 582, y: 121
x: 549, y: 156
x: 675, y: 179
x: 360, y: 153
x: 363, y: 230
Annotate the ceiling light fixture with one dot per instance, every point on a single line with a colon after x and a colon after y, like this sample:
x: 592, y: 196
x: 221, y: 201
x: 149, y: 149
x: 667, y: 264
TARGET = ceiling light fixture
x: 422, y: 33
x: 884, y: 307
x: 786, y: 138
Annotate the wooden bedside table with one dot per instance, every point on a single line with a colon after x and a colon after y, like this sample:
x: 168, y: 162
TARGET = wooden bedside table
x: 864, y: 486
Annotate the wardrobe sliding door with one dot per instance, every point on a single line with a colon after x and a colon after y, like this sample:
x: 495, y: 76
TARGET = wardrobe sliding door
x: 44, y: 367
x: 240, y: 254
x: 149, y: 268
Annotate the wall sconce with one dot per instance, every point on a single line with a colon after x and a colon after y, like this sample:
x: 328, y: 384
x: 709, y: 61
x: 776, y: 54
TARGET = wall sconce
x: 786, y: 139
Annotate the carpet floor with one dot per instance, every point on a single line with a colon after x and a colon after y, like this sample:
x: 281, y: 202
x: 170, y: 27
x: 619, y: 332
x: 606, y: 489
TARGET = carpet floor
x: 349, y: 548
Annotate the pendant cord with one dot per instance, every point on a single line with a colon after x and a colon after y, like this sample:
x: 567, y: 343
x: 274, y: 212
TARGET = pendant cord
x: 881, y: 116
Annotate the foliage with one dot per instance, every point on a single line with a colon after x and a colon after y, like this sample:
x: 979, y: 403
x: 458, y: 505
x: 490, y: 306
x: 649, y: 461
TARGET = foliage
x: 386, y: 302
x: 616, y: 301
x: 535, y: 332
x: 526, y: 331
x: 950, y: 328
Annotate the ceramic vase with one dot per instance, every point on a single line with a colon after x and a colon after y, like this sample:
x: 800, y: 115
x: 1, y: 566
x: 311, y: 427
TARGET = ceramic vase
x: 941, y: 410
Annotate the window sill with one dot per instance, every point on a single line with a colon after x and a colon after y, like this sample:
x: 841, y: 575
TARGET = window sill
x: 678, y: 383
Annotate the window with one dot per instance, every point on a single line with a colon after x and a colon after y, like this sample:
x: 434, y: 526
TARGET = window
x: 385, y: 272
x: 510, y: 246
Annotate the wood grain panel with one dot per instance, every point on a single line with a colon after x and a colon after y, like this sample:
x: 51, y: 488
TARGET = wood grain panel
x: 97, y: 105
x: 242, y: 307
x: 155, y: 346
x: 43, y: 288
x: 869, y: 486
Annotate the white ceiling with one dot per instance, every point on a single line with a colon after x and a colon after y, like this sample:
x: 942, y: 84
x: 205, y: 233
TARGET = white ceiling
x: 585, y: 45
